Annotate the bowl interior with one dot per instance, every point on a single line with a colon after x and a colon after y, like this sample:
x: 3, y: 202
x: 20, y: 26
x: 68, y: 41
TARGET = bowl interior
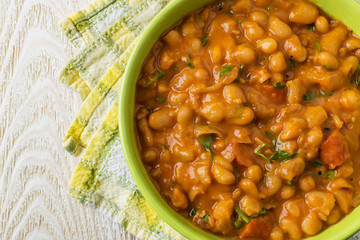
x: 172, y: 13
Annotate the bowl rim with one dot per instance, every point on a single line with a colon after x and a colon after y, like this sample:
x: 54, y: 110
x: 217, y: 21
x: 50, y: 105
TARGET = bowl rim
x: 126, y: 119
x: 161, y: 22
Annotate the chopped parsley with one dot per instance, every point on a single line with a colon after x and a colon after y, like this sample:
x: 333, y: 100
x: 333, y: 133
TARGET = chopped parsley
x: 160, y: 99
x: 206, y: 218
x: 239, y: 223
x: 279, y: 85
x: 220, y: 6
x: 272, y: 137
x: 312, y: 27
x: 205, y: 40
x: 149, y: 82
x: 289, y: 183
x: 157, y: 76
x: 309, y: 96
x: 257, y: 152
x: 188, y: 62
x: 263, y: 211
x: 327, y: 94
x: 282, y: 156
x: 277, y: 156
x: 225, y: 69
x: 193, y: 212
x: 239, y: 21
x: 318, y: 46
x: 148, y: 109
x: 327, y: 67
x: 293, y: 63
x: 241, y: 214
x: 160, y: 75
x: 317, y: 163
x: 190, y: 65
x: 330, y: 174
x: 165, y: 147
x: 230, y: 14
x: 355, y: 78
x: 241, y: 69
x: 206, y: 141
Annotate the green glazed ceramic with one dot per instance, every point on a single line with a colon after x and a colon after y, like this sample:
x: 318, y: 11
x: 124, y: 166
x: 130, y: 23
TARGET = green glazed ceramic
x: 346, y: 10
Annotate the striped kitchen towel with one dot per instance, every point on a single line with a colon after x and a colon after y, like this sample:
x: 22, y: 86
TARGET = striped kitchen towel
x: 107, y: 31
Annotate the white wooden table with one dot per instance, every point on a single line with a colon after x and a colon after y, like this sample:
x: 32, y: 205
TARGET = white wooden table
x: 35, y: 111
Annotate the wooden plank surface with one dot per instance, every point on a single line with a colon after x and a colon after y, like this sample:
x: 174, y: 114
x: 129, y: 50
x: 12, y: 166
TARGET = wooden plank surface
x: 35, y: 111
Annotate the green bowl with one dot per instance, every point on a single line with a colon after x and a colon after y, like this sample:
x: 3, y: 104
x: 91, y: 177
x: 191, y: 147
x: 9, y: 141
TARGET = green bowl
x: 171, y: 14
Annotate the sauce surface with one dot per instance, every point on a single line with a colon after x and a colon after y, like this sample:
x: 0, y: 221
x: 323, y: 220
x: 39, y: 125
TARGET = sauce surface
x: 247, y: 115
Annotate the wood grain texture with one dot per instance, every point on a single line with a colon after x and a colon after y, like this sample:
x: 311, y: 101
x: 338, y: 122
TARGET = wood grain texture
x: 35, y: 111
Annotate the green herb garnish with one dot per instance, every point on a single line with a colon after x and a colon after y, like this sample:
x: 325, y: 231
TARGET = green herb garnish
x: 241, y: 214
x: 241, y: 69
x: 289, y: 183
x: 279, y: 85
x: 355, y: 78
x: 327, y: 94
x: 263, y: 211
x: 330, y: 174
x: 257, y: 152
x: 148, y: 109
x: 318, y: 45
x: 225, y: 69
x: 165, y: 147
x: 312, y: 27
x: 193, y: 212
x: 206, y: 141
x: 277, y: 156
x: 239, y: 21
x: 190, y: 65
x: 157, y: 76
x: 309, y: 96
x: 282, y: 156
x: 160, y: 99
x: 205, y: 40
x: 239, y: 223
x: 230, y: 14
x: 220, y: 6
x: 188, y: 62
x: 206, y: 218
x: 293, y: 63
x: 326, y: 67
x: 149, y: 82
x: 272, y: 137
x: 317, y: 163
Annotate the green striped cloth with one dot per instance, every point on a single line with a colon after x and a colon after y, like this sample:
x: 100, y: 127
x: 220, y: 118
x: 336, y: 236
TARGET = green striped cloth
x: 107, y: 31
